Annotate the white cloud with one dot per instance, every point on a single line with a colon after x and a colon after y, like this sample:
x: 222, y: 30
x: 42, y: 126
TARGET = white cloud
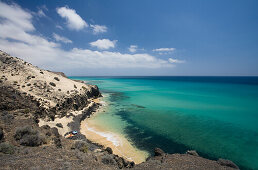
x: 104, y: 44
x: 164, y: 49
x: 61, y: 38
x: 171, y: 60
x: 19, y: 38
x: 133, y: 48
x: 98, y: 29
x: 74, y: 21
x: 14, y: 15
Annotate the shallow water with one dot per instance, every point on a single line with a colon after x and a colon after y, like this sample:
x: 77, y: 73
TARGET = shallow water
x: 217, y: 116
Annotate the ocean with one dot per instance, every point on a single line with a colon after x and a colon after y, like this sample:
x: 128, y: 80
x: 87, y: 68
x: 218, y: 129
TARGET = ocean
x: 216, y: 116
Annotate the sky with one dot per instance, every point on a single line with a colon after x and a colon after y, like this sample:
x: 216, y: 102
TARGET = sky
x: 132, y: 37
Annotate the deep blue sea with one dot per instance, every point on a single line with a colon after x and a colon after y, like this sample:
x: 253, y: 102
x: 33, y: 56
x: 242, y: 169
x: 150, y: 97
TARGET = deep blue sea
x: 216, y: 116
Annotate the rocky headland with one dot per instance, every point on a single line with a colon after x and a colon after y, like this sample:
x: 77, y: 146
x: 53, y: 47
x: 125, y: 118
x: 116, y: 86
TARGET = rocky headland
x: 37, y: 110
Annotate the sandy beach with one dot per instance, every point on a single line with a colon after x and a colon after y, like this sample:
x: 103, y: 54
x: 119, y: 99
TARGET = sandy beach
x: 119, y: 143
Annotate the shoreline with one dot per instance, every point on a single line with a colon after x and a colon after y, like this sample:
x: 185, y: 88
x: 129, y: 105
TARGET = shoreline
x: 117, y: 142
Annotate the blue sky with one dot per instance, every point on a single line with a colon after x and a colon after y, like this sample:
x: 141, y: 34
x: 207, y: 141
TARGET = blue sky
x: 132, y: 37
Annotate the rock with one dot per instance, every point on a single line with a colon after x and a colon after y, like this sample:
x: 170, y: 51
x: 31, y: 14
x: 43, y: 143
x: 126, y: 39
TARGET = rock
x: 45, y: 127
x: 132, y: 164
x: 225, y: 162
x: 109, y: 150
x: 59, y: 125
x: 94, y: 92
x: 192, y: 152
x: 52, y: 84
x: 120, y: 162
x: 97, y: 150
x: 158, y: 152
x: 56, y: 78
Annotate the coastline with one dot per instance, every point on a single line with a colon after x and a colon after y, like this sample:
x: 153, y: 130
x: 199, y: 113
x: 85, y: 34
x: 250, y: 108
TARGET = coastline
x: 39, y: 106
x: 117, y: 142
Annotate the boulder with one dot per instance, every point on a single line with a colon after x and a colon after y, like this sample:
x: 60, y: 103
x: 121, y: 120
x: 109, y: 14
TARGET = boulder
x: 192, y: 152
x: 109, y: 150
x: 158, y: 152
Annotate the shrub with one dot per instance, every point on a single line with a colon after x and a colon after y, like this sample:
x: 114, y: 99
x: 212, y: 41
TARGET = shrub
x: 27, y: 110
x: 81, y: 146
x: 108, y: 159
x: 58, y: 142
x: 56, y: 78
x: 29, y: 137
x: 52, y: 84
x: 6, y: 148
x: 54, y: 131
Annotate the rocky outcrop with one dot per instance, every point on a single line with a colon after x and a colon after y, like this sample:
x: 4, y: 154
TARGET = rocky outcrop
x: 94, y: 92
x: 59, y: 73
x: 183, y: 162
x: 227, y: 163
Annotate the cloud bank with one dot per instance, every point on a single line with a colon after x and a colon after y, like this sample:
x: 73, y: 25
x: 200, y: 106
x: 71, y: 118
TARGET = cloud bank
x: 19, y: 37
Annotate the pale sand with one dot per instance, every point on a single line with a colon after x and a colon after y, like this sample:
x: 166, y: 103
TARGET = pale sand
x: 46, y: 98
x: 119, y: 144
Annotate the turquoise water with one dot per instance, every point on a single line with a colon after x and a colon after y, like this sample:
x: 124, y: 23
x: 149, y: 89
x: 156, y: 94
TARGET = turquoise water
x: 217, y: 116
